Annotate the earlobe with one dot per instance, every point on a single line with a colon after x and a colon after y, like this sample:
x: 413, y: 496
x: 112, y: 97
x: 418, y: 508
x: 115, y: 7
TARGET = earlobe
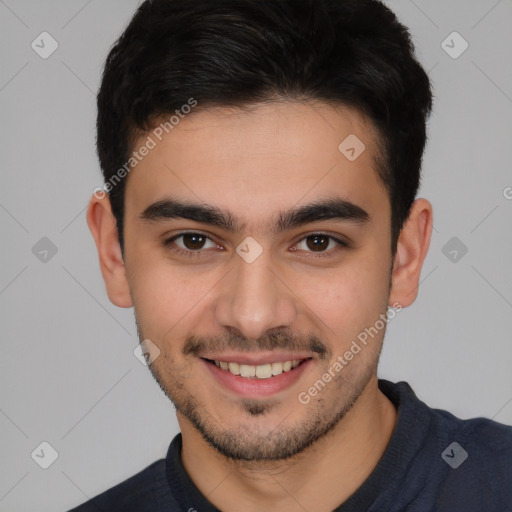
x: 412, y: 249
x: 103, y: 226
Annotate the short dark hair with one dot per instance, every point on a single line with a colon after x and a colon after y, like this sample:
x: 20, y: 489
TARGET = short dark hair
x: 242, y: 52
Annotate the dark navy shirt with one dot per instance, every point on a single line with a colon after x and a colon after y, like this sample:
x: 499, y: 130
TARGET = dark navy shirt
x: 433, y: 462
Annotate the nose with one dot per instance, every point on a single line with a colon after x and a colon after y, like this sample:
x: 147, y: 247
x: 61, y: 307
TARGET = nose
x: 255, y: 298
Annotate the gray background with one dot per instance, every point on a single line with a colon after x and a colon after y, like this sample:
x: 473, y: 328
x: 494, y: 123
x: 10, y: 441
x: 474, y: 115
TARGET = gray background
x: 68, y: 375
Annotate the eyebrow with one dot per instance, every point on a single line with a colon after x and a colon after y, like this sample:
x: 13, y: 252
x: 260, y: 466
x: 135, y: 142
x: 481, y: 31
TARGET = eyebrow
x: 325, y: 209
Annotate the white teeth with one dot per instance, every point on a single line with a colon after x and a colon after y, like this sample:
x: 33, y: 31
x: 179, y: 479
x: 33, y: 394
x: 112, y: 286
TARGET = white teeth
x: 234, y: 368
x: 262, y: 371
x: 277, y: 368
x: 247, y: 370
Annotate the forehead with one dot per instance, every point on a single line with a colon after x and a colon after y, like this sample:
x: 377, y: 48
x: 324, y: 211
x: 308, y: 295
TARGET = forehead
x: 259, y: 160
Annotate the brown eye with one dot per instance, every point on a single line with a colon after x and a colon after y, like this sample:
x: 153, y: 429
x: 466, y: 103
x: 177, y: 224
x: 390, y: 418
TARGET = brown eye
x: 322, y: 244
x: 193, y: 241
x: 317, y: 242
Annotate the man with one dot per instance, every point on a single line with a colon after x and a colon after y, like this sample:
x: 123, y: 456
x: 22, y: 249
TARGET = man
x: 261, y: 164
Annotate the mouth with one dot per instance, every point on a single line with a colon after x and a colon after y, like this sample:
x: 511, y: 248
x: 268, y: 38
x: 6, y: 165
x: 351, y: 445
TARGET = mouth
x: 260, y: 371
x: 251, y: 380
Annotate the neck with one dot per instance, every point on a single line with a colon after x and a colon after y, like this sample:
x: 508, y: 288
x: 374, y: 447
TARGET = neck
x: 321, y: 478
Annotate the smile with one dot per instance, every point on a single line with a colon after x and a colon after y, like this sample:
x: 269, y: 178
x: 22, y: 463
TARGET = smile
x: 261, y: 371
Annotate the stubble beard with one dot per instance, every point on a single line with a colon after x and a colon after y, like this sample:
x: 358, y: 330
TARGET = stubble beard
x: 252, y: 442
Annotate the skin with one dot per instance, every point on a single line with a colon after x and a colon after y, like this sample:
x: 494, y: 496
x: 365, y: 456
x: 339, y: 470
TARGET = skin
x: 266, y: 453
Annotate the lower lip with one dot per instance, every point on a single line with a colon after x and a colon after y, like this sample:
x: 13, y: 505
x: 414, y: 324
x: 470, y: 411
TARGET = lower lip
x: 257, y: 387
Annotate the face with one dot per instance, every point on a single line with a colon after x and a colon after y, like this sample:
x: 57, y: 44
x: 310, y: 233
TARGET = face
x: 247, y: 283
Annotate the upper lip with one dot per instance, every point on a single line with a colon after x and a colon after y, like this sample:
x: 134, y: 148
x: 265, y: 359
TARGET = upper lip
x: 257, y: 359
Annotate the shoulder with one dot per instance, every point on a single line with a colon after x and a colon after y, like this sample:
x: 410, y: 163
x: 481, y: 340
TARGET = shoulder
x: 141, y: 492
x: 481, y: 435
x: 477, y: 457
x: 483, y: 442
x: 452, y: 463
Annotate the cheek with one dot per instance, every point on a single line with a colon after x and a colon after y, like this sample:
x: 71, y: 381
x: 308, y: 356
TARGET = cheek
x: 159, y: 293
x: 346, y: 300
x: 167, y: 298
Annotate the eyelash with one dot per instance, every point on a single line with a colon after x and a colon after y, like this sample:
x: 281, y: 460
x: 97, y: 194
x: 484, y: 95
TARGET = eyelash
x: 192, y: 254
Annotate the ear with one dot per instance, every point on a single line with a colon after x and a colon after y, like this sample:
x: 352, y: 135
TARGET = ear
x: 103, y: 226
x: 412, y: 248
